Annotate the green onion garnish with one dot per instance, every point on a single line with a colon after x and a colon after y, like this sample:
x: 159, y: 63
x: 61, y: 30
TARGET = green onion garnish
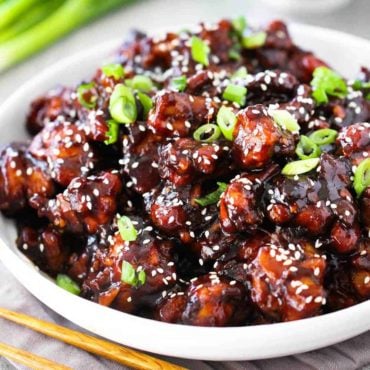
x: 130, y: 276
x: 68, y: 284
x: 226, y: 120
x: 324, y: 136
x: 84, y: 89
x: 359, y: 85
x: 146, y: 103
x: 234, y: 53
x: 327, y: 82
x: 113, y: 70
x: 307, y: 149
x: 240, y: 74
x: 255, y: 40
x: 299, y: 167
x: 126, y: 229
x: 199, y: 50
x: 213, y: 197
x: 235, y: 94
x: 122, y: 105
x: 239, y: 24
x: 142, y: 83
x: 112, y: 133
x: 285, y: 119
x: 179, y: 83
x: 362, y: 176
x: 207, y: 133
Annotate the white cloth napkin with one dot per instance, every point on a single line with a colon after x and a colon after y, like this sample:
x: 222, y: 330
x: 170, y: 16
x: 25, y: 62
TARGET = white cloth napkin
x: 350, y: 355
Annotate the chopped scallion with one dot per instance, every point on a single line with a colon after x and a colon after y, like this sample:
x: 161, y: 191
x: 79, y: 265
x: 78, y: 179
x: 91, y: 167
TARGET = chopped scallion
x: 113, y: 70
x: 126, y: 229
x: 254, y: 40
x: 324, y: 136
x: 226, y: 120
x: 213, y: 197
x: 130, y: 276
x: 240, y: 74
x: 142, y: 83
x: 179, y: 83
x: 207, y: 133
x: 112, y: 133
x: 299, y: 167
x: 285, y: 119
x: 146, y: 103
x: 307, y: 149
x: 362, y: 176
x: 239, y: 25
x: 65, y: 282
x: 235, y: 94
x: 122, y: 105
x: 85, y: 96
x: 199, y: 50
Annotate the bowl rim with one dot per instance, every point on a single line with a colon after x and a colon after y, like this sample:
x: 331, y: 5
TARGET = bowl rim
x: 18, y: 266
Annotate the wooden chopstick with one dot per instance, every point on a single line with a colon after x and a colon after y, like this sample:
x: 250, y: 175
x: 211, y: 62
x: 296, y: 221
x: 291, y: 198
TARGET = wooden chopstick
x: 29, y: 359
x: 111, y: 351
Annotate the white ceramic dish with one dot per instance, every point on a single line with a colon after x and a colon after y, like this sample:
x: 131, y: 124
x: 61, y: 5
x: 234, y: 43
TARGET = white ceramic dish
x: 346, y: 53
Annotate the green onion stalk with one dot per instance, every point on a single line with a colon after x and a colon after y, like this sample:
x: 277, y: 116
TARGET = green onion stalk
x: 27, y: 26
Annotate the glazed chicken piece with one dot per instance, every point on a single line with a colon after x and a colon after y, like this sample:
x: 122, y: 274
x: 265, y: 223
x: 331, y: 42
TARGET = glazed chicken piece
x: 174, y: 211
x: 183, y: 160
x: 354, y: 142
x: 240, y: 206
x: 287, y: 279
x: 210, y: 300
x: 21, y: 177
x: 147, y: 253
x: 56, y: 104
x: 66, y: 150
x: 87, y: 204
x: 365, y: 209
x: 317, y: 203
x: 257, y: 138
x: 46, y: 247
x: 140, y: 158
x: 361, y: 270
x: 179, y: 114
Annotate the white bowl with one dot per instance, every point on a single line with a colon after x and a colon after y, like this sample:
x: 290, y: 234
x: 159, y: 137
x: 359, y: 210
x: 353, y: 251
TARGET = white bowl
x: 345, y: 53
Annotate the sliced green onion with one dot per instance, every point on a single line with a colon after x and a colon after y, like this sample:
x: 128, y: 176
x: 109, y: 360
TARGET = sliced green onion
x: 226, y: 120
x: 239, y: 24
x: 199, y: 50
x: 112, y: 133
x: 122, y: 105
x: 82, y: 90
x: 255, y: 40
x: 362, y: 176
x: 299, y: 167
x: 142, y: 83
x: 327, y: 82
x: 126, y: 229
x: 179, y: 83
x: 213, y: 197
x: 359, y: 85
x: 207, y: 133
x: 285, y: 119
x: 235, y: 93
x: 146, y: 102
x: 307, y: 149
x: 113, y: 70
x: 141, y: 277
x: 234, y: 54
x: 324, y: 136
x: 128, y: 274
x: 240, y: 74
x: 65, y: 282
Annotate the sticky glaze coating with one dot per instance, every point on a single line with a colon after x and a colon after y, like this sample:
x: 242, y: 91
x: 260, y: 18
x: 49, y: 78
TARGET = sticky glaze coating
x: 269, y: 248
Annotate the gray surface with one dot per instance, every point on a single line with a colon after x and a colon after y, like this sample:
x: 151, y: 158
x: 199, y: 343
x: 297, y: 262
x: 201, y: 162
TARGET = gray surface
x: 154, y: 14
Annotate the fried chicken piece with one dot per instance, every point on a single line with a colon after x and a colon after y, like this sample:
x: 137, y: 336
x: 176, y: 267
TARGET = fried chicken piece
x: 87, y: 203
x: 179, y: 114
x: 182, y: 160
x: 287, y: 280
x: 46, y: 247
x: 147, y: 253
x: 210, y: 300
x: 257, y: 138
x: 66, y: 150
x: 56, y: 104
x: 354, y: 142
x: 240, y: 206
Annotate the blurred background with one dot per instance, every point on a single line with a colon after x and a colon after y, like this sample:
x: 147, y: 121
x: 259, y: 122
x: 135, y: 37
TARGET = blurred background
x: 346, y: 15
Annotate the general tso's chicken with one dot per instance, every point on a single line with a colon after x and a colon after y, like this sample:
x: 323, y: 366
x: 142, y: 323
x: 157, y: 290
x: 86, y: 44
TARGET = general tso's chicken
x: 21, y: 177
x: 66, y: 150
x: 87, y: 204
x: 209, y: 300
x: 257, y: 138
x: 240, y: 205
x: 183, y: 160
x: 317, y: 203
x: 354, y: 142
x: 179, y: 114
x: 148, y: 253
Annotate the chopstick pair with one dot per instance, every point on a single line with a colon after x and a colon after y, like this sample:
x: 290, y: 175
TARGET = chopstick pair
x: 111, y: 351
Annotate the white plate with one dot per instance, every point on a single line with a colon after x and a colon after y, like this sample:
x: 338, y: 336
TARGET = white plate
x: 345, y: 53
